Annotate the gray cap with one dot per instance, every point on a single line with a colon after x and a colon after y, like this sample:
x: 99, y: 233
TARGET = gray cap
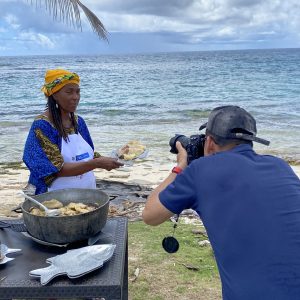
x: 232, y: 123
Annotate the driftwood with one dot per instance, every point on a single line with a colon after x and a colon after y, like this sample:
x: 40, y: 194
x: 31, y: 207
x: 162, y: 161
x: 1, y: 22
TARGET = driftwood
x: 126, y: 199
x: 123, y: 191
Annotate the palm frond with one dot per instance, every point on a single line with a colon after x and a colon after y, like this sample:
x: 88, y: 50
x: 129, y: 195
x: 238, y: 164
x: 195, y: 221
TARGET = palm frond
x: 68, y: 12
x: 96, y: 24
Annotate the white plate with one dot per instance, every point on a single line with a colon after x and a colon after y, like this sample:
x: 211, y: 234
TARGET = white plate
x: 114, y: 154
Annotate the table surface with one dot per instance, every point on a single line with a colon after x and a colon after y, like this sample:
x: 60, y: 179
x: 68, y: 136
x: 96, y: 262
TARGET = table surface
x: 110, y: 281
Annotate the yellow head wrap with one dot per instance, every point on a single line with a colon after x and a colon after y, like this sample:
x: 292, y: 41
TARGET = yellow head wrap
x: 56, y: 79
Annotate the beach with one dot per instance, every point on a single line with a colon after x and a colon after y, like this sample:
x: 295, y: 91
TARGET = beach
x: 144, y: 173
x: 150, y: 98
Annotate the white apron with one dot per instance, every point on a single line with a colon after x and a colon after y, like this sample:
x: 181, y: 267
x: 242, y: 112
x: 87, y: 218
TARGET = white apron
x: 75, y: 150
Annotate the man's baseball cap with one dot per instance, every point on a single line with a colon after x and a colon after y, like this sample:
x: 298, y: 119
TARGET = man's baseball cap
x: 232, y: 123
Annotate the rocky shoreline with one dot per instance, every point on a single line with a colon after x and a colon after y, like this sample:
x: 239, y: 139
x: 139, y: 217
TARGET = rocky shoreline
x: 14, y: 177
x: 144, y: 174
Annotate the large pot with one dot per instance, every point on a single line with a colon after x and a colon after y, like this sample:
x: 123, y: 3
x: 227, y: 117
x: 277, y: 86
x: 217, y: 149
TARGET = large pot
x: 67, y: 229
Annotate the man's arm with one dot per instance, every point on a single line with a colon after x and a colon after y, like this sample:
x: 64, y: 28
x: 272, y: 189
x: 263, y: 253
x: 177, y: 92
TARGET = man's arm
x: 154, y: 212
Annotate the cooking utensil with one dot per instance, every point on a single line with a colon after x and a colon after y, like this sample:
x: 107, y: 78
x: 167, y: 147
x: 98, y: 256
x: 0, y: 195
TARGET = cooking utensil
x: 48, y: 212
x: 26, y: 234
x: 68, y: 229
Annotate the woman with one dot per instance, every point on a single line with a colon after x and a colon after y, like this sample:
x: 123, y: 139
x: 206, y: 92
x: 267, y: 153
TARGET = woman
x: 59, y: 151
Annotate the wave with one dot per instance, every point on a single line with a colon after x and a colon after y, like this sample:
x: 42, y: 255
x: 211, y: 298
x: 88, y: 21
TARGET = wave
x: 193, y: 113
x: 154, y: 95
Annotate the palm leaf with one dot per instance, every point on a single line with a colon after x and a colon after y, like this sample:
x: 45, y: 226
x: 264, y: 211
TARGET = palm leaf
x: 68, y: 12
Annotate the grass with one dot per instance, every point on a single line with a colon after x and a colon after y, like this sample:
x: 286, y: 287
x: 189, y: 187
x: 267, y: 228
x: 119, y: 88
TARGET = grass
x: 191, y: 273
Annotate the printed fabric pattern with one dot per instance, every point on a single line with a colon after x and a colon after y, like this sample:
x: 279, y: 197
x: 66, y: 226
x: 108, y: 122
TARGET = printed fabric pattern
x: 42, y: 152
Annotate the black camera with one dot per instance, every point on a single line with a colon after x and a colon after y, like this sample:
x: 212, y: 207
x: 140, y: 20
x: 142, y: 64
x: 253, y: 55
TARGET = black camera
x: 194, y: 145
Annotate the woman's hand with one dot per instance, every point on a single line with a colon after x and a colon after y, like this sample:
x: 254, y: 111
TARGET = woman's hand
x: 107, y: 163
x: 78, y: 168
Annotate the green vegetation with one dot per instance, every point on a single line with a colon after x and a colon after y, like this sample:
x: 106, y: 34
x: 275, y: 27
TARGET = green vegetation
x: 190, y: 273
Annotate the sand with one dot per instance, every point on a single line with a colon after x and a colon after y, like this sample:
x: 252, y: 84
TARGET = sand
x: 149, y: 173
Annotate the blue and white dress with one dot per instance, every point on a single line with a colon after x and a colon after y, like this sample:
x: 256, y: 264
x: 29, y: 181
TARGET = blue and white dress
x: 46, y: 151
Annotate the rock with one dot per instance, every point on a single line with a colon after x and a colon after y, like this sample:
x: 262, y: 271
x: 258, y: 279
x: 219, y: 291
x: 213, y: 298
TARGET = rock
x: 204, y: 243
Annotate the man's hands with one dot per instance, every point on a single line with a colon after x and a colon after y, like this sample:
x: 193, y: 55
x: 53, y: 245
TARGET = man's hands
x: 107, y: 163
x: 181, y: 156
x: 154, y: 212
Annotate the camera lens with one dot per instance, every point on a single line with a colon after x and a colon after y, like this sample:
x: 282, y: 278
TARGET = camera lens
x: 180, y: 138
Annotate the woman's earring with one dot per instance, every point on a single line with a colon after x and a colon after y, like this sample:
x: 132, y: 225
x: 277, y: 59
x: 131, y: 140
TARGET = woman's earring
x: 56, y: 105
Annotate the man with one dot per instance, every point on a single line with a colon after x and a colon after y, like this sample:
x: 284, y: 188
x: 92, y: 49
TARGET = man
x: 249, y: 205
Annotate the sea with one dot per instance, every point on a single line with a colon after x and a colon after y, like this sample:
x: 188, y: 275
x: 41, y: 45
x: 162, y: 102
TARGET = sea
x: 152, y: 97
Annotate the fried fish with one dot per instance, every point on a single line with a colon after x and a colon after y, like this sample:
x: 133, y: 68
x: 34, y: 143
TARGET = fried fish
x: 131, y: 150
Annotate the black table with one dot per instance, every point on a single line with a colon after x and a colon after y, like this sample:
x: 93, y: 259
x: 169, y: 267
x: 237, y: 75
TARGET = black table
x: 109, y: 282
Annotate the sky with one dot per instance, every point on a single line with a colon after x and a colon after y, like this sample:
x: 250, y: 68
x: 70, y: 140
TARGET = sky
x: 148, y: 26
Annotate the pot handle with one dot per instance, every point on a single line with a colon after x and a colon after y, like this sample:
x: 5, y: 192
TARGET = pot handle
x: 18, y: 209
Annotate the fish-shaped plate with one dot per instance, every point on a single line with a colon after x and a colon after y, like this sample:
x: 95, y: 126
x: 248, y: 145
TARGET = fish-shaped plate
x: 75, y: 263
x: 5, y: 250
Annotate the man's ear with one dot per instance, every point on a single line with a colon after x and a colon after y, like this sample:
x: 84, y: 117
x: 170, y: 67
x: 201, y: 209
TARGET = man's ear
x: 210, y: 145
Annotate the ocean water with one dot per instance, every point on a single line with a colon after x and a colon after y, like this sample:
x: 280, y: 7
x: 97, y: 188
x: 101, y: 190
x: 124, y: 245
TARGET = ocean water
x: 151, y: 97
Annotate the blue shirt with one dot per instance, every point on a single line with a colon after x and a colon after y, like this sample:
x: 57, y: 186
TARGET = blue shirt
x: 250, y: 207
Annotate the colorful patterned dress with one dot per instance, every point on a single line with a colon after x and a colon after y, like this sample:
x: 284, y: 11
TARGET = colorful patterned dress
x: 42, y: 153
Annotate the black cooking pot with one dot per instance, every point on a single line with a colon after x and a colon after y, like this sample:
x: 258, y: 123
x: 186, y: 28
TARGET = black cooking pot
x: 67, y: 229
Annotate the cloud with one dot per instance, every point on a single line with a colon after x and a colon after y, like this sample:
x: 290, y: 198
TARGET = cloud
x: 36, y: 38
x: 170, y: 8
x: 12, y: 21
x: 200, y: 18
x: 31, y: 17
x: 161, y: 25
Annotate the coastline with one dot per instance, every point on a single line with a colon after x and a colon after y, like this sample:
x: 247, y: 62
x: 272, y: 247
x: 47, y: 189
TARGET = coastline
x: 14, y: 177
x: 146, y: 173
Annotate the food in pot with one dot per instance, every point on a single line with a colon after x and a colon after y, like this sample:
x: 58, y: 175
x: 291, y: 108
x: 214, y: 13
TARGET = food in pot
x: 53, y: 203
x: 75, y: 209
x: 71, y: 209
x: 36, y: 211
x: 131, y: 150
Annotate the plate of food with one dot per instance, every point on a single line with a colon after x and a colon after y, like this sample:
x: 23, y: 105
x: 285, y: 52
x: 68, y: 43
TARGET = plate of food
x: 130, y: 151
